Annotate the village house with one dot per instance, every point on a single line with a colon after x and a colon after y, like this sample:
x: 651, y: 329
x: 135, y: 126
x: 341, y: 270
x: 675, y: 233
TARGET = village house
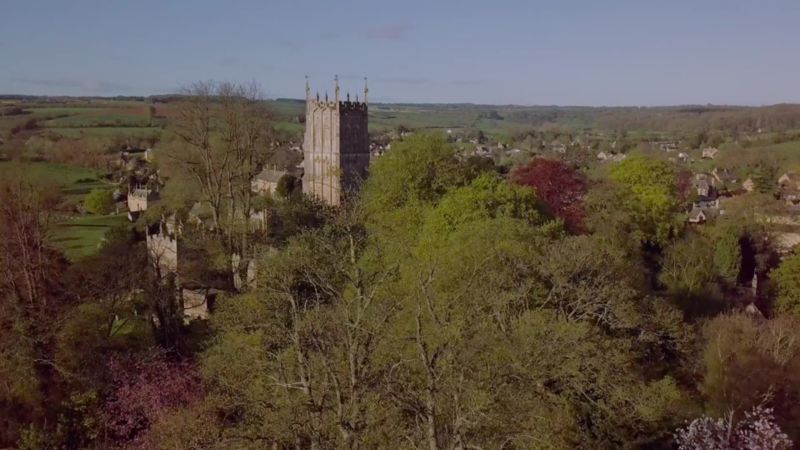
x: 611, y: 157
x: 703, y: 185
x: 132, y: 158
x: 749, y: 185
x: 789, y: 190
x: 266, y: 182
x: 710, y: 152
x: 482, y: 151
x: 723, y: 177
x: 705, y: 210
x: 789, y: 180
x: 667, y: 146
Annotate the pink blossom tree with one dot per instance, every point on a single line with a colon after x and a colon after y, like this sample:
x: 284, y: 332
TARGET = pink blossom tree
x: 144, y: 388
x: 756, y: 431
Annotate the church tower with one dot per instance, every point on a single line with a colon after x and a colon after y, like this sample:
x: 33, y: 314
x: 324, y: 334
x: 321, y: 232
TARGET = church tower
x: 335, y: 145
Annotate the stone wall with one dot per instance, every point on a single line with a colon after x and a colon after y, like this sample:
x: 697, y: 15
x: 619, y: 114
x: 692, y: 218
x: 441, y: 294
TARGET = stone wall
x: 162, y: 250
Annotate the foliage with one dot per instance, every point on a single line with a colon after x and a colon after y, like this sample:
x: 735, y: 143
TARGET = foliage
x: 728, y: 252
x: 560, y: 187
x: 33, y: 301
x: 787, y: 279
x: 756, y: 431
x: 688, y: 265
x: 749, y: 362
x: 648, y: 195
x: 396, y: 180
x: 288, y: 185
x: 143, y: 389
x: 486, y: 197
x: 99, y: 201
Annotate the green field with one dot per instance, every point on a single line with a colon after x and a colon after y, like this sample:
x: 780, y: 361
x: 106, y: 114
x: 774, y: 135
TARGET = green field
x: 79, y: 132
x: 76, y: 235
x: 81, y: 236
x: 65, y: 175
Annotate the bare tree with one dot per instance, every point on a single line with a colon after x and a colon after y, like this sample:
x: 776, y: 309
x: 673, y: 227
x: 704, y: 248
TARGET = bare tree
x: 223, y: 137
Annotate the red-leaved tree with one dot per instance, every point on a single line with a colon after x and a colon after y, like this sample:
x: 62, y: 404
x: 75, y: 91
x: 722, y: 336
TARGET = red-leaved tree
x: 560, y: 187
x: 144, y: 388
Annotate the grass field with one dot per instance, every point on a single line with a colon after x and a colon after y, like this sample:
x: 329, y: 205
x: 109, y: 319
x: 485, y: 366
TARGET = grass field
x: 81, y: 236
x: 79, y: 132
x: 65, y: 175
x: 78, y: 236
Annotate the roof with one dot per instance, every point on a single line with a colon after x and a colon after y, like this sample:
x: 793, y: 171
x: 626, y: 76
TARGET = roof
x: 790, y: 177
x: 702, y: 213
x: 144, y: 193
x: 270, y: 175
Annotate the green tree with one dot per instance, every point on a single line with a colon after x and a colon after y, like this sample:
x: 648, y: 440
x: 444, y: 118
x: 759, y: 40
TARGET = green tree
x: 648, y: 196
x: 487, y: 196
x: 787, y: 279
x: 99, y: 201
x: 728, y: 252
x: 688, y: 265
x: 419, y: 169
x: 287, y: 186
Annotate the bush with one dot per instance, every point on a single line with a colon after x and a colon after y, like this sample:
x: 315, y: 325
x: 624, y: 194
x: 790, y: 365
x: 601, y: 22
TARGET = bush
x: 99, y: 201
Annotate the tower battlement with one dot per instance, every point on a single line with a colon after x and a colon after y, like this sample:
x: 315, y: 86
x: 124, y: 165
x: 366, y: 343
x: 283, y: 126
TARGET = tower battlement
x: 336, y: 145
x: 342, y: 105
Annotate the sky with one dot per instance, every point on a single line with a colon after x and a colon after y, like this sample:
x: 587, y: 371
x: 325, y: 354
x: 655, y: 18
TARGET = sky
x: 559, y: 52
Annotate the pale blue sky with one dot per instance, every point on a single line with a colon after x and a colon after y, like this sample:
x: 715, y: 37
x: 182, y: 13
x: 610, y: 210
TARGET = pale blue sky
x: 567, y: 52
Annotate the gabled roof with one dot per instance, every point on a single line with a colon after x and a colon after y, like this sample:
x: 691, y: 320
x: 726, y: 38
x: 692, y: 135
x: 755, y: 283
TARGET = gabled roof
x: 270, y: 175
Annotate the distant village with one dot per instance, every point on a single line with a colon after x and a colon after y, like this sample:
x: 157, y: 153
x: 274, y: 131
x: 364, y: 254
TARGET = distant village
x: 316, y: 166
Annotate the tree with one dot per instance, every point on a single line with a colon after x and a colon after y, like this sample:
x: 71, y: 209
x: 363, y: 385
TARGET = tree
x: 221, y: 137
x: 756, y: 431
x: 33, y: 302
x: 648, y: 194
x: 151, y: 114
x: 787, y: 279
x: 749, y: 362
x: 288, y: 185
x: 405, y: 184
x: 316, y: 367
x: 487, y: 196
x: 396, y: 179
x: 728, y: 253
x: 99, y: 201
x: 688, y: 265
x: 560, y: 187
x: 143, y: 390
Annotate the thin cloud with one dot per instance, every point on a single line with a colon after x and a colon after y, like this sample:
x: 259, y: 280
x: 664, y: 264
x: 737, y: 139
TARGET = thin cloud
x: 89, y: 86
x: 403, y: 80
x: 328, y: 35
x: 290, y: 44
x: 229, y: 61
x: 395, y: 32
x: 468, y: 82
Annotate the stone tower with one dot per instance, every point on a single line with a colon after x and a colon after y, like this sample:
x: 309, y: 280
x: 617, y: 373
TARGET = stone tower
x: 336, y: 145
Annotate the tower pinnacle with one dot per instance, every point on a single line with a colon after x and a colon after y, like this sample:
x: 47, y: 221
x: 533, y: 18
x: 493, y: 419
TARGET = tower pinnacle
x: 336, y: 82
x: 366, y: 90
